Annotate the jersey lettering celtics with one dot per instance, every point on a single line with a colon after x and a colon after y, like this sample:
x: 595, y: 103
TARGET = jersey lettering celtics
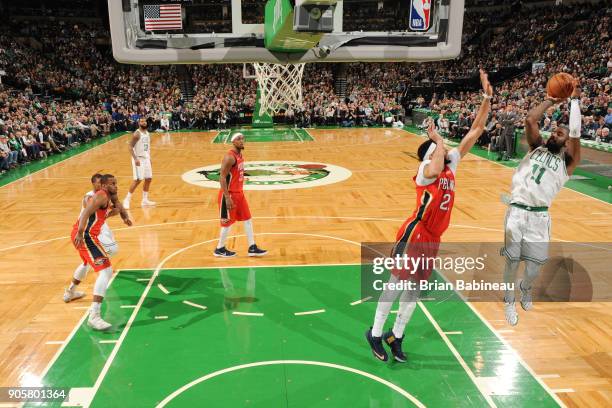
x: 539, y: 178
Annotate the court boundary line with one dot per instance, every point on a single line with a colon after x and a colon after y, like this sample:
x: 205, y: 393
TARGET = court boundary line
x: 156, y: 273
x: 455, y: 353
x: 212, y: 141
x: 309, y: 134
x: 517, y: 356
x: 68, y: 339
x: 295, y: 132
x: 66, y: 159
x: 522, y: 362
x: 371, y: 376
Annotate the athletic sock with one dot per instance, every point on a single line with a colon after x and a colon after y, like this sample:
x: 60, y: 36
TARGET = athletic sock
x: 128, y: 196
x: 248, y: 229
x: 223, y: 236
x: 407, y: 304
x: 383, y: 308
x: 382, y: 312
x: 95, y: 307
x: 145, y: 195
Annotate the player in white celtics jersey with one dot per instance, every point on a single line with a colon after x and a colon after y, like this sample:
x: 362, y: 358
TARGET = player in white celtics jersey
x: 140, y: 149
x: 537, y: 180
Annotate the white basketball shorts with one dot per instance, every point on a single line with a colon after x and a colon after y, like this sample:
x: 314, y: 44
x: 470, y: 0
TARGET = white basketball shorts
x: 144, y: 171
x: 527, y: 234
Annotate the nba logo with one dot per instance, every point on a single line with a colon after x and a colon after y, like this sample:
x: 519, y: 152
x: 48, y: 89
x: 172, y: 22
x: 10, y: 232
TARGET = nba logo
x: 419, y: 15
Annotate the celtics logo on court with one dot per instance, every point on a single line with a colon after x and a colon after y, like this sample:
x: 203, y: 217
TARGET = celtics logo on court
x: 273, y: 175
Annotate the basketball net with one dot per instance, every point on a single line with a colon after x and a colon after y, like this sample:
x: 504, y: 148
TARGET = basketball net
x: 280, y: 86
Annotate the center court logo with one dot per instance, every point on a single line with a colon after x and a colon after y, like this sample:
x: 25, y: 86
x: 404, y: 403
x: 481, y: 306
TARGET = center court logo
x: 273, y: 175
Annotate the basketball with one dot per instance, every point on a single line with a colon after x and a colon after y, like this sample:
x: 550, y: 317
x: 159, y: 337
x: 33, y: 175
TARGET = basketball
x: 560, y: 85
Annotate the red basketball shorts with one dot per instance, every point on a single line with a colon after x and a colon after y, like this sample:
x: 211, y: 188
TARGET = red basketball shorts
x: 421, y: 248
x: 92, y: 252
x: 239, y: 212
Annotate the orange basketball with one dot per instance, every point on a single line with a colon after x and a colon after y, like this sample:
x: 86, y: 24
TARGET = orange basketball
x: 560, y: 85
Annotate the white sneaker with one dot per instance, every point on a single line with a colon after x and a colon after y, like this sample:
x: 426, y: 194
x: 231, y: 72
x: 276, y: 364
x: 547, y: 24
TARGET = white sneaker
x: 126, y: 204
x: 96, y: 322
x: 526, y: 302
x: 147, y: 203
x: 70, y: 295
x: 510, y: 312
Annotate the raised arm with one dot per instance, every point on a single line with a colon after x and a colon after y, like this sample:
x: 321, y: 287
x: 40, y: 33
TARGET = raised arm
x: 532, y: 129
x: 575, y: 124
x: 436, y: 165
x: 481, y: 117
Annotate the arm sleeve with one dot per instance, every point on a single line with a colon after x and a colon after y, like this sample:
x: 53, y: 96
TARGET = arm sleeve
x: 421, y: 180
x: 575, y: 119
x: 454, y: 156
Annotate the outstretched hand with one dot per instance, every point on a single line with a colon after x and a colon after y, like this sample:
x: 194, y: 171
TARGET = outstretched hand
x: 486, y: 85
x: 432, y: 133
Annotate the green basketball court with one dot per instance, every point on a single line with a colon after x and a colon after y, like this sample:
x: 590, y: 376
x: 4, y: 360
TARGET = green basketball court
x: 281, y: 336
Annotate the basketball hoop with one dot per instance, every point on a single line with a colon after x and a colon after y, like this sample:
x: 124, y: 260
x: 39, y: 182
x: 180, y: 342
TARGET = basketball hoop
x: 280, y: 86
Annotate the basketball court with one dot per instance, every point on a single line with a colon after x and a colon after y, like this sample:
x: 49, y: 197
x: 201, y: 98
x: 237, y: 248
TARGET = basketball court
x: 285, y: 330
x: 187, y: 327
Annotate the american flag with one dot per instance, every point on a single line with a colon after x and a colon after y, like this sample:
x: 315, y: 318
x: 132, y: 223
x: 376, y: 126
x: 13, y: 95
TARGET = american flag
x: 163, y: 17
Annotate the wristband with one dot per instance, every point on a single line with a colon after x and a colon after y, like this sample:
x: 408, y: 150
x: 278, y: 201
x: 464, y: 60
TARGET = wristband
x: 484, y: 95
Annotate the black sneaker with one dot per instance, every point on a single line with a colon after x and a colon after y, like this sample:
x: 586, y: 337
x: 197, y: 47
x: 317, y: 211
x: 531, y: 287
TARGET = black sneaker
x: 376, y: 345
x: 396, y: 346
x: 255, y: 251
x: 224, y: 253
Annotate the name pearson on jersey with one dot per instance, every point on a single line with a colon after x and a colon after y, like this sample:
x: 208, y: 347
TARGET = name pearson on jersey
x: 446, y: 184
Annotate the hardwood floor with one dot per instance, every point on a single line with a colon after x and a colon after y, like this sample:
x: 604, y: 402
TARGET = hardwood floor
x: 571, y: 343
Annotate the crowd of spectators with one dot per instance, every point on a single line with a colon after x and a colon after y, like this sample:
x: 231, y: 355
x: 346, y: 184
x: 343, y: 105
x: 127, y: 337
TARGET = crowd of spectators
x: 63, y: 88
x: 585, y: 51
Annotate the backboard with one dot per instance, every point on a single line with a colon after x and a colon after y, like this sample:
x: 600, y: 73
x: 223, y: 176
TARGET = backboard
x: 283, y: 31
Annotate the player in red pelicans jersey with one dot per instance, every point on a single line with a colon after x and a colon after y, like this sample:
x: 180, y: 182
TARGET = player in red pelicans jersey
x: 233, y: 205
x: 85, y: 238
x: 105, y: 237
x: 420, y: 234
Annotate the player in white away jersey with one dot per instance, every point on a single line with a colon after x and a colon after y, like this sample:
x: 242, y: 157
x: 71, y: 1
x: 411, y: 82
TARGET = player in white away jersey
x: 537, y: 180
x: 140, y: 149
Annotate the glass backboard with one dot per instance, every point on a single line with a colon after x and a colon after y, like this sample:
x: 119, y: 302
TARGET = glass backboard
x: 283, y: 31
